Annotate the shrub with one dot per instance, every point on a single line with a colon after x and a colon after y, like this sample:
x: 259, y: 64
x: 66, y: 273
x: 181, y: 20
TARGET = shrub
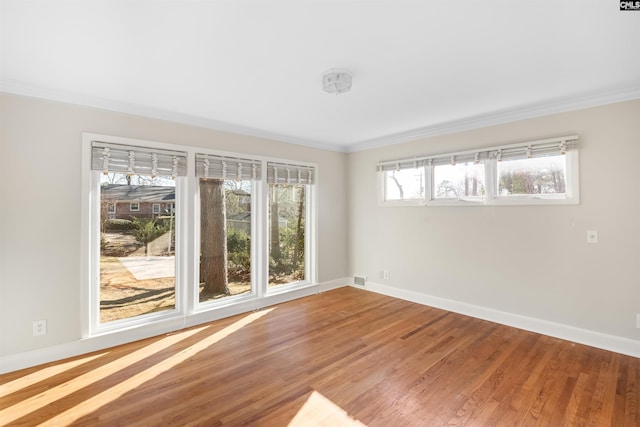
x: 146, y: 230
x: 165, y: 224
x: 238, y: 249
x: 118, y: 225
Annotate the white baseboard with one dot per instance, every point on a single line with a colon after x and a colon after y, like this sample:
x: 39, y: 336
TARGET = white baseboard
x: 570, y: 333
x: 28, y: 359
x: 41, y: 356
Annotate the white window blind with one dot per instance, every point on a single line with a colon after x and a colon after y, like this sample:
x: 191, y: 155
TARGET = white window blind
x: 459, y: 158
x: 224, y: 167
x: 541, y: 148
x: 533, y: 150
x: 284, y: 173
x: 401, y: 165
x: 132, y: 160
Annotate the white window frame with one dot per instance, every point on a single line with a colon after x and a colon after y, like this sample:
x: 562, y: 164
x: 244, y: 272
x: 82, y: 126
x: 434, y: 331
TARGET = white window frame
x: 134, y: 207
x: 491, y: 198
x: 256, y: 190
x: 571, y: 197
x: 155, y: 211
x: 431, y: 199
x: 310, y: 246
x: 415, y: 201
x: 188, y: 309
x: 90, y: 291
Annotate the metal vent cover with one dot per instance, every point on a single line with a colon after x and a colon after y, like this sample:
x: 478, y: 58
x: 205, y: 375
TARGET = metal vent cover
x: 360, y: 281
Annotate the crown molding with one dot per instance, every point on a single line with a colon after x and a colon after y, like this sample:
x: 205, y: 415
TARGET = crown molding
x: 507, y: 115
x: 31, y: 91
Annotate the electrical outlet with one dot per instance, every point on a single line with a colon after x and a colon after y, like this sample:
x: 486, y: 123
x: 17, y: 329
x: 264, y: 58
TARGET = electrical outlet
x: 385, y: 274
x: 39, y: 327
x: 638, y: 320
x: 592, y: 236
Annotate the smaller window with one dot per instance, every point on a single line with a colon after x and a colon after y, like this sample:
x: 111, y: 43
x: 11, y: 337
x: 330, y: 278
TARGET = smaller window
x: 543, y: 172
x: 460, y: 181
x: 156, y: 208
x: 134, y: 207
x: 543, y: 176
x: 548, y: 179
x: 403, y: 185
x: 111, y: 210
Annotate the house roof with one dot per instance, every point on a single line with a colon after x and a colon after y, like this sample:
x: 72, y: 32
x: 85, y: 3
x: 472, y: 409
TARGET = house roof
x: 139, y: 193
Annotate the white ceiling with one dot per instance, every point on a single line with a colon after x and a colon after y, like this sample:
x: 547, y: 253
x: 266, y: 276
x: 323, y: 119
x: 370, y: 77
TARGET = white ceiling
x: 254, y: 67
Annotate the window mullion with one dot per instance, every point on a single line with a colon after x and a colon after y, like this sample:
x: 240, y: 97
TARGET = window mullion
x: 261, y: 244
x: 428, y: 191
x: 491, y: 179
x: 310, y: 274
x: 189, y: 286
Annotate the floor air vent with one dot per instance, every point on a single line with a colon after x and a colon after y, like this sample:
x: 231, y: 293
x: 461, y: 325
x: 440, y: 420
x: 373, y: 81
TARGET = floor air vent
x: 359, y: 280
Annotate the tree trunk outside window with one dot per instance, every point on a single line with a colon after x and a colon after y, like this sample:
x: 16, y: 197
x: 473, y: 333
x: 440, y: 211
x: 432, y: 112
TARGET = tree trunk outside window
x: 274, y: 213
x: 299, y: 242
x: 213, y: 237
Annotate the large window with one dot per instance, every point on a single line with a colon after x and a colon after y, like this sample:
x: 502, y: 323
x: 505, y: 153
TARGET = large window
x: 288, y: 220
x: 539, y: 172
x: 174, y: 231
x: 225, y: 193
x: 135, y: 249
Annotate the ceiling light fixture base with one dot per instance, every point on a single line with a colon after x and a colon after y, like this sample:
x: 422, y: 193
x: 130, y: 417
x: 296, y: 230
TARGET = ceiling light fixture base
x: 337, y: 80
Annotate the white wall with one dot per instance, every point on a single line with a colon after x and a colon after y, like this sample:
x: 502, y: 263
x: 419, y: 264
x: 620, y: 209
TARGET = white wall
x: 40, y: 172
x: 530, y: 261
x: 526, y: 260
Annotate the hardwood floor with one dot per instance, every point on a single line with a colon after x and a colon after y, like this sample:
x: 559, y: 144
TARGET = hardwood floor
x: 345, y: 357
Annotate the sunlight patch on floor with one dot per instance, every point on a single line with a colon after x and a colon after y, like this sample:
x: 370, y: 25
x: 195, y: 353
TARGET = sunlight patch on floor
x: 44, y: 374
x: 319, y: 411
x: 60, y: 391
x: 93, y: 403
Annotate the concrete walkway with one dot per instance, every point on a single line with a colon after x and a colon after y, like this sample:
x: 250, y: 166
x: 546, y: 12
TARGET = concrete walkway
x: 150, y: 267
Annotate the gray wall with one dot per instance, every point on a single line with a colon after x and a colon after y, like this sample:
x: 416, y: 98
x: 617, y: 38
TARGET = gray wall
x: 527, y: 260
x: 40, y: 171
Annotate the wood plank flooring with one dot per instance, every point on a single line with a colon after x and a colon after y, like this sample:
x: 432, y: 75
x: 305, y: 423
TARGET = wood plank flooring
x: 346, y: 357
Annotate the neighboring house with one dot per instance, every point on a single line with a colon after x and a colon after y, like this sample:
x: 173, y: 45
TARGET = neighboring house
x: 137, y: 201
x: 149, y: 201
